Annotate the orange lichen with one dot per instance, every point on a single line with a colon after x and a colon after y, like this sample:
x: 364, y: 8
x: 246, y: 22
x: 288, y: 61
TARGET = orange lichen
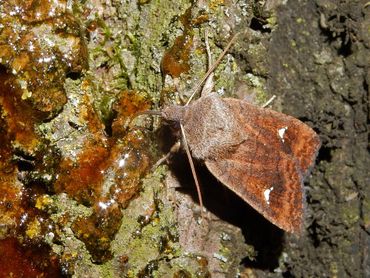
x: 175, y: 60
x: 82, y: 179
x: 128, y: 165
x: 35, y: 11
x: 14, y: 127
x: 11, y: 208
x: 120, y: 169
x: 38, y: 48
x: 32, y: 261
x: 41, y: 55
x: 130, y: 162
x: 6, y: 164
x: 18, y: 115
x: 98, y: 230
x: 40, y: 43
x: 127, y: 105
x: 106, y: 174
x: 89, y: 115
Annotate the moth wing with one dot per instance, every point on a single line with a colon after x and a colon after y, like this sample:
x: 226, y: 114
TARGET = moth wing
x: 279, y: 130
x: 266, y: 179
x: 268, y: 167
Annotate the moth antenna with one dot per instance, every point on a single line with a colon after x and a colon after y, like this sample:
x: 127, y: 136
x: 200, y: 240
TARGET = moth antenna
x: 208, y: 84
x: 211, y: 69
x: 148, y: 112
x: 192, y: 167
x: 269, y: 101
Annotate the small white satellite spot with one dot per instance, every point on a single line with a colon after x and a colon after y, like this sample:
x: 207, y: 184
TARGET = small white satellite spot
x: 281, y: 132
x: 266, y: 193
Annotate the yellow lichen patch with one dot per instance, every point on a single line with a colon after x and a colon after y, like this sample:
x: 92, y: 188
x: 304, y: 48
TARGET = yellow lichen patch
x: 214, y: 4
x: 33, y: 229
x: 43, y: 201
x: 176, y: 59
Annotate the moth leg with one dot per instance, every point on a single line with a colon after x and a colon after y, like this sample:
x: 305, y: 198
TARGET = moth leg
x: 174, y: 149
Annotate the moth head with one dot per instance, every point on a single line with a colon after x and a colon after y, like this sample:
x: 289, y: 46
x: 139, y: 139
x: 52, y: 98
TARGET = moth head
x: 174, y: 113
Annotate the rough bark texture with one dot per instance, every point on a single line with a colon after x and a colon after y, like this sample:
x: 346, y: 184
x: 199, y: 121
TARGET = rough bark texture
x: 313, y: 55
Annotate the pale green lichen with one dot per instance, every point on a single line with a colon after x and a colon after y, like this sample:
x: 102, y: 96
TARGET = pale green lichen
x: 142, y: 244
x: 258, y: 87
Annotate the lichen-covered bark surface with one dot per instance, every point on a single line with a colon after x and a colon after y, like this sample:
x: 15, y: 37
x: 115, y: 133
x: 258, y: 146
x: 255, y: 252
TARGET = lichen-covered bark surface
x: 79, y: 196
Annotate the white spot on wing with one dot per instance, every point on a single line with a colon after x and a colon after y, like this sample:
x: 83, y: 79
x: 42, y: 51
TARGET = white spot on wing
x: 266, y: 193
x: 281, y: 132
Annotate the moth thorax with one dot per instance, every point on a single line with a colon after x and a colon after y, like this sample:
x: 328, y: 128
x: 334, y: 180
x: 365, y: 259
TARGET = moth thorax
x: 174, y: 113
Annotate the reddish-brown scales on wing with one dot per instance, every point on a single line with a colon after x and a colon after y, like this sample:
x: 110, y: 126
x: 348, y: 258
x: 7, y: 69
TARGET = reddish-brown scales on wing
x: 282, y: 131
x: 260, y: 154
x: 267, y: 180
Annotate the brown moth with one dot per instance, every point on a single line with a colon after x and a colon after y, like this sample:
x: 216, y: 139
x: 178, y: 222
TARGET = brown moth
x: 260, y: 154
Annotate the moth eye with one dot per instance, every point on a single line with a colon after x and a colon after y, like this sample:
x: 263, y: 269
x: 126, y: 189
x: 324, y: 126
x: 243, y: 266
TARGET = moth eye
x: 175, y: 124
x: 172, y: 123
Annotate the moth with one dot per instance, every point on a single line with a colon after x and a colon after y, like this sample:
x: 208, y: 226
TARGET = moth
x: 260, y: 154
